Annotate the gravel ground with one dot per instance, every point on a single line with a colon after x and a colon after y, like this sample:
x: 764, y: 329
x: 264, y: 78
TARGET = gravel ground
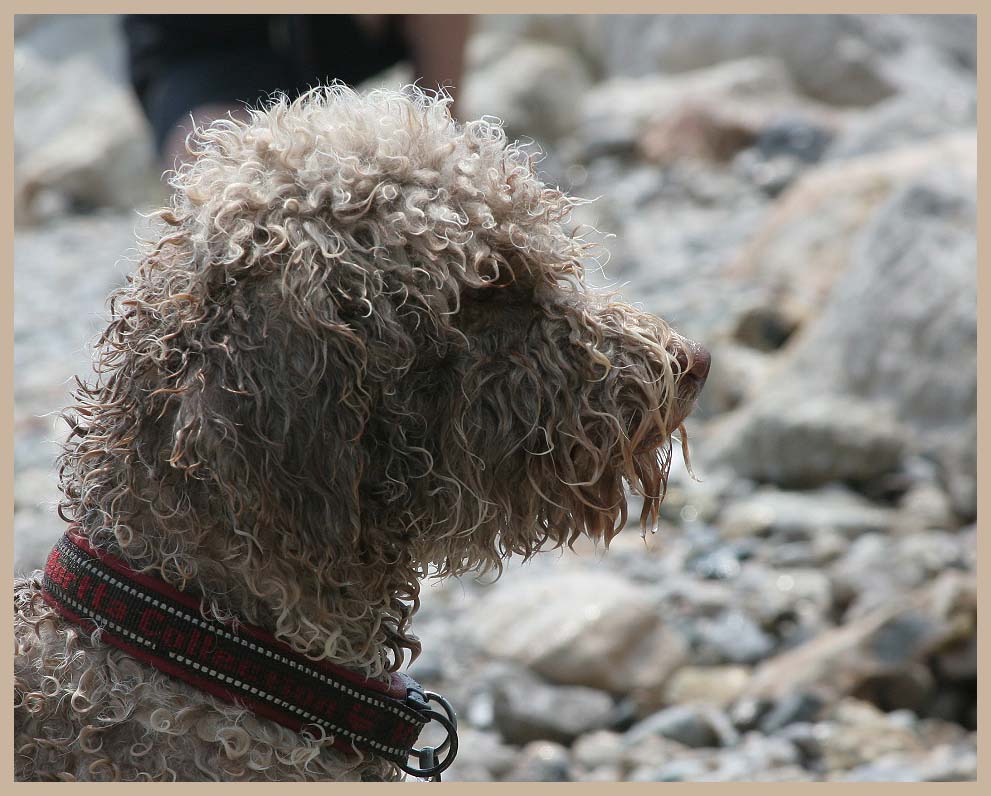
x: 807, y: 609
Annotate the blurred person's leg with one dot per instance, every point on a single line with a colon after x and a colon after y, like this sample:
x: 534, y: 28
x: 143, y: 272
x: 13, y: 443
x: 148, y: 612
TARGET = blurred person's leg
x: 208, y: 66
x: 437, y: 46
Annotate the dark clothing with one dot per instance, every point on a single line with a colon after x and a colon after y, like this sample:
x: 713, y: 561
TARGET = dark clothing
x: 178, y: 61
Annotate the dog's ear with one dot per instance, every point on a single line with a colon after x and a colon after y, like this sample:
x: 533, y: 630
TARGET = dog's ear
x: 271, y: 409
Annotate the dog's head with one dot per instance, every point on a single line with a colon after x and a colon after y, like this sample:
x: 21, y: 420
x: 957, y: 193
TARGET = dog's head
x: 366, y: 329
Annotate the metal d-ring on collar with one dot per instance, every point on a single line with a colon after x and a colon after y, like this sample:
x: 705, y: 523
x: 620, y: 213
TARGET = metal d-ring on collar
x: 429, y: 766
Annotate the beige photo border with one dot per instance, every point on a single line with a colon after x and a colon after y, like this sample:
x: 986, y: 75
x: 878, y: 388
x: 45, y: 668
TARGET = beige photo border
x: 978, y: 7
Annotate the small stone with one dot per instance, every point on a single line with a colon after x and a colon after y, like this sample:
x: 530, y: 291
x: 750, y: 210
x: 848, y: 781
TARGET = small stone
x: 857, y: 733
x: 720, y: 685
x: 676, y: 771
x: 697, y: 130
x: 928, y: 506
x: 541, y: 761
x: 481, y: 755
x: 795, y: 137
x: 604, y: 774
x: 532, y: 711
x: 794, y: 708
x: 733, y: 637
x: 598, y: 749
x: 691, y: 725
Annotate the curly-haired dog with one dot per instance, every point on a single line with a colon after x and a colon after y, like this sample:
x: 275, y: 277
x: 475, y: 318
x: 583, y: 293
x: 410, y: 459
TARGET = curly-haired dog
x: 362, y: 352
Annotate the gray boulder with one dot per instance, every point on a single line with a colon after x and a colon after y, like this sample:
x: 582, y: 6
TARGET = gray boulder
x: 902, y: 120
x: 542, y: 106
x: 800, y: 440
x: 829, y: 55
x: 911, y: 287
x: 589, y: 628
x: 526, y: 709
x: 783, y: 517
x: 80, y: 140
x: 697, y: 725
x: 807, y: 240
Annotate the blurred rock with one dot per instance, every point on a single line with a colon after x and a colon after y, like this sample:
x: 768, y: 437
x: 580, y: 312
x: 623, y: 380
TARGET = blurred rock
x: 591, y: 629
x: 806, y: 242
x: 912, y: 284
x: 544, y: 105
x: 57, y: 38
x: 720, y: 685
x: 903, y: 120
x: 541, y: 761
x: 697, y: 131
x: 528, y: 710
x: 765, y: 328
x: 803, y: 516
x: 80, y: 140
x: 805, y: 442
x: 756, y: 758
x: 793, y: 708
x: 927, y: 54
x: 857, y: 733
x: 737, y: 372
x: 682, y: 770
x: 695, y: 596
x: 482, y: 757
x: 785, y: 147
x: 829, y: 55
x: 793, y: 601
x: 793, y: 137
x: 614, y: 114
x: 868, y: 654
x: 570, y: 31
x: 37, y: 526
x: 35, y: 532
x: 945, y: 763
x: 822, y: 549
x: 926, y: 506
x: 691, y: 725
x: 650, y: 750
x: 733, y: 637
x: 84, y: 258
x: 79, y: 258
x: 878, y: 568
x: 599, y: 749
x: 602, y: 774
x: 957, y: 455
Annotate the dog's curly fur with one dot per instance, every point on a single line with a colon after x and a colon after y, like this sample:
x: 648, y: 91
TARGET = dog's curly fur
x: 361, y: 353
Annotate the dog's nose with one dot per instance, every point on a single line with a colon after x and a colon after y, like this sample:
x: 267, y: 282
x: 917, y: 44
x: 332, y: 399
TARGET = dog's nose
x: 694, y: 360
x: 701, y: 360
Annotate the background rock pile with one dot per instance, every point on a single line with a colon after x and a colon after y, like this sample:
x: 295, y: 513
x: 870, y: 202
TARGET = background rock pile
x: 796, y: 192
